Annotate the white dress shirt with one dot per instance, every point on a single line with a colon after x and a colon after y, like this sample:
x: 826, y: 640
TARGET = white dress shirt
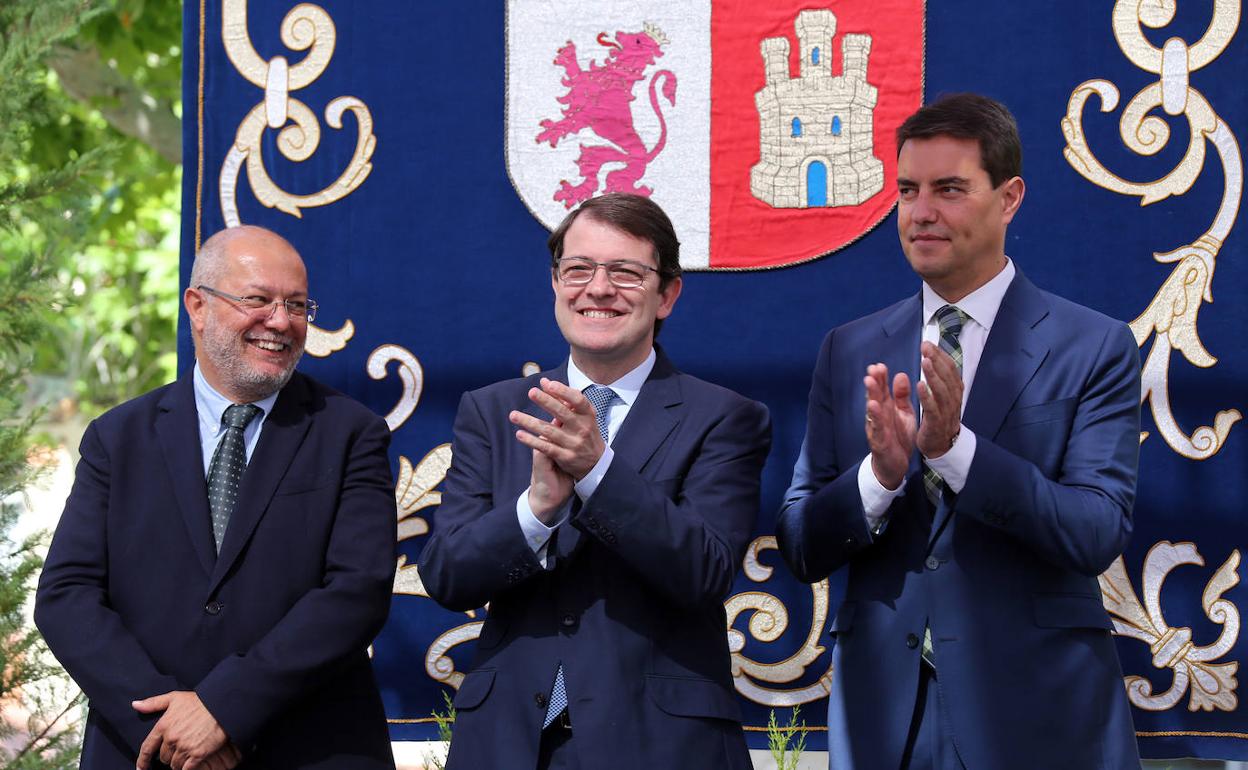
x: 981, y: 308
x: 626, y: 388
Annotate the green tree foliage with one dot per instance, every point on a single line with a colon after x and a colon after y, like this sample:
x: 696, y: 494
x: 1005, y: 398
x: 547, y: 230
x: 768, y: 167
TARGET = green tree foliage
x: 88, y: 278
x: 112, y: 86
x: 34, y: 222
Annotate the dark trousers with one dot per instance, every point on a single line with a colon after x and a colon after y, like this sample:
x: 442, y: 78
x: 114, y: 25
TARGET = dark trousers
x: 929, y: 744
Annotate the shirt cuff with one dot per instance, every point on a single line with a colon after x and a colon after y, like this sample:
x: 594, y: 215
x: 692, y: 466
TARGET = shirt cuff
x: 875, y: 496
x: 588, y: 485
x: 955, y: 465
x: 536, y: 534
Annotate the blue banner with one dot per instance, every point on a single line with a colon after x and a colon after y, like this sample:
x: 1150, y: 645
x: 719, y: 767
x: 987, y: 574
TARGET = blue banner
x: 417, y: 154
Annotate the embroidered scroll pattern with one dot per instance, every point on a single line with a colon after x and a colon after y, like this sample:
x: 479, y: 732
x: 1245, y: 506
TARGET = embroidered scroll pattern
x: 769, y: 620
x: 1172, y: 315
x: 308, y: 28
x: 1212, y: 685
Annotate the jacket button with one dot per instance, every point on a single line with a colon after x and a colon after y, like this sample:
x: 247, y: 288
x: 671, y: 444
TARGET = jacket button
x: 568, y: 621
x: 214, y: 607
x: 850, y: 542
x: 932, y: 562
x: 540, y: 699
x: 912, y: 641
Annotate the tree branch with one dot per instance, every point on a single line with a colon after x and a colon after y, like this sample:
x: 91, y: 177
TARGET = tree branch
x: 126, y: 107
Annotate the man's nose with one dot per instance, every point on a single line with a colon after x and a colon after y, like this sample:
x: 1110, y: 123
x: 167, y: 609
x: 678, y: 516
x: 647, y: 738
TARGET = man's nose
x: 600, y: 285
x: 279, y: 317
x: 921, y: 208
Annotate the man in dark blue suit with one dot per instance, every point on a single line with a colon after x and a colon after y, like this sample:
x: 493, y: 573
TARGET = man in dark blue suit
x: 975, y: 520
x: 227, y: 551
x: 602, y: 509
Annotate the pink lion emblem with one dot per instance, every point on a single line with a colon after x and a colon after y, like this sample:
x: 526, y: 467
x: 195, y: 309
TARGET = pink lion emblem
x: 598, y: 99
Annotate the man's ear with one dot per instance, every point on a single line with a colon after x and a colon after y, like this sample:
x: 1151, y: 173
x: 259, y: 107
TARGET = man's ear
x: 1012, y: 192
x: 667, y: 298
x: 196, y: 307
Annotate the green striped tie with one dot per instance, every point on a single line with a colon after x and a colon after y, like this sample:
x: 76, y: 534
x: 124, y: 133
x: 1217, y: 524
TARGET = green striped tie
x: 950, y: 320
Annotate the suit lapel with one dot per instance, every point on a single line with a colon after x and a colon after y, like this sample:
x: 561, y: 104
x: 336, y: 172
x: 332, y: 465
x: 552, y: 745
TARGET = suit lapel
x: 652, y: 417
x: 1010, y: 359
x: 280, y: 438
x: 649, y: 422
x: 903, y: 331
x: 177, y: 426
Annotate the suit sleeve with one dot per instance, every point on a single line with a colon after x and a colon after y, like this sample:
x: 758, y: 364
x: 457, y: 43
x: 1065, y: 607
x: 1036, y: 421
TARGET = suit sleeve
x: 477, y: 549
x: 73, y: 612
x: 330, y: 623
x: 1080, y: 520
x: 822, y: 525
x: 686, y: 545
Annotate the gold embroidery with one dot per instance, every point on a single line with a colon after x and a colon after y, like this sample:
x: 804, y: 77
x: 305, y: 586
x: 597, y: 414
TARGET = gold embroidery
x: 410, y: 372
x: 306, y: 27
x: 439, y: 665
x: 1172, y: 315
x: 322, y: 342
x: 1212, y: 684
x: 768, y: 622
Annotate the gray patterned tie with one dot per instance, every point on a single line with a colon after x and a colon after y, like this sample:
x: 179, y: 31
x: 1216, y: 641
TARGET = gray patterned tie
x: 950, y: 320
x: 228, y: 463
x: 601, y: 398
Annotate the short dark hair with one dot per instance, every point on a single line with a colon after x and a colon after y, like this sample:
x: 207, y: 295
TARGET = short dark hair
x: 636, y: 215
x: 971, y: 116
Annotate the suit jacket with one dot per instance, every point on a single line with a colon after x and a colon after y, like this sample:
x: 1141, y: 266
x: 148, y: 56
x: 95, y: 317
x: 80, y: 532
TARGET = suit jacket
x: 273, y: 633
x: 1006, y: 573
x: 631, y: 600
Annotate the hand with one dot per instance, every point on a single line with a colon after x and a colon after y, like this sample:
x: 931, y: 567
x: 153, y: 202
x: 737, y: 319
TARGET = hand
x: 549, y: 488
x: 571, y: 440
x: 891, y: 425
x: 226, y: 758
x: 186, y: 737
x: 941, y: 397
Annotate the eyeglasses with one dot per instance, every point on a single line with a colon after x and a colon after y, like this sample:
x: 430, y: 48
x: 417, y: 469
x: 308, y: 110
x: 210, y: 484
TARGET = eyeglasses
x: 298, y: 310
x: 623, y: 274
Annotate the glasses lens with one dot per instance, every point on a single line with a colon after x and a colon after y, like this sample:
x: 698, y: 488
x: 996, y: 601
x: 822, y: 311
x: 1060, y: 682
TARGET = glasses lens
x: 576, y: 271
x: 254, y: 303
x: 626, y: 275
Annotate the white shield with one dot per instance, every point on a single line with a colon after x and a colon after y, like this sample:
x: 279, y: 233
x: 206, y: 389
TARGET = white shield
x: 611, y: 88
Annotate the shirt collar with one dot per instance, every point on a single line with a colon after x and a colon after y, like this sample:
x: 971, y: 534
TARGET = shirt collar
x: 627, y: 387
x: 211, y: 405
x: 980, y: 305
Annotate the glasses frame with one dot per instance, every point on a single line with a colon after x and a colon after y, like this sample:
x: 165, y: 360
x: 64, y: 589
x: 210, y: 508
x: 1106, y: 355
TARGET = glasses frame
x: 310, y: 306
x: 644, y: 269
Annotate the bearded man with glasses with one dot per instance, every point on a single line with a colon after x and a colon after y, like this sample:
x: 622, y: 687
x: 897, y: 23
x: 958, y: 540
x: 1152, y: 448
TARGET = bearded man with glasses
x: 227, y: 552
x: 602, y: 509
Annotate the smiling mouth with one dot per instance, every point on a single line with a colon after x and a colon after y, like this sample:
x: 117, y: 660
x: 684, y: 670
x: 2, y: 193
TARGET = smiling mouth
x: 599, y: 313
x: 272, y: 346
